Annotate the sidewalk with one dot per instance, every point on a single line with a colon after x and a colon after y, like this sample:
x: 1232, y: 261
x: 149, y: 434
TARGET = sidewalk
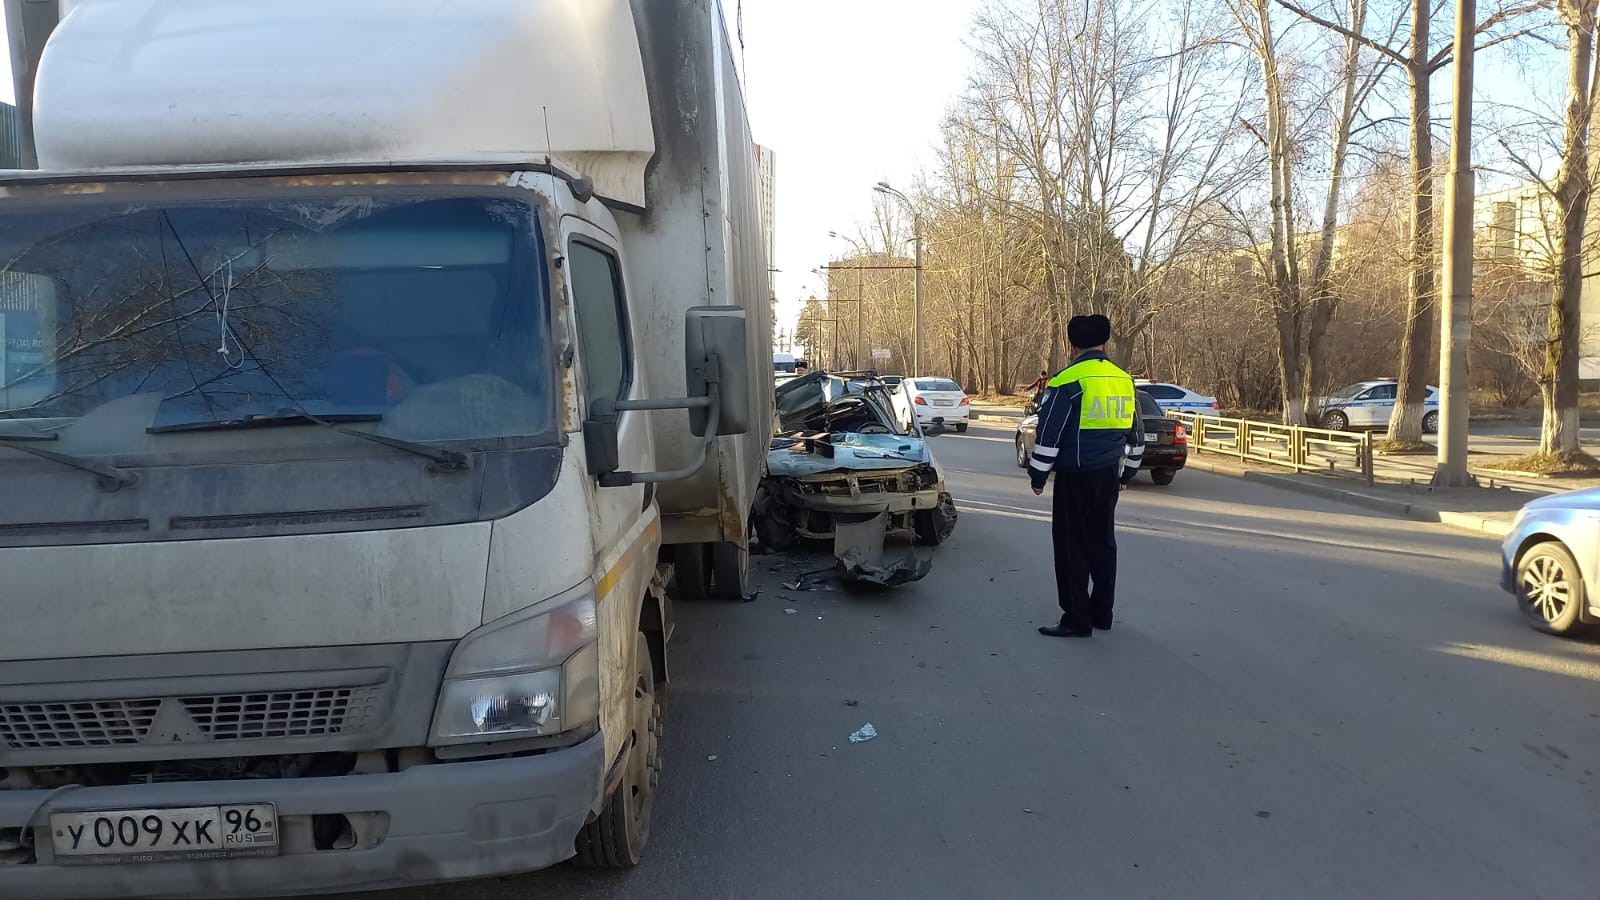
x: 1488, y: 510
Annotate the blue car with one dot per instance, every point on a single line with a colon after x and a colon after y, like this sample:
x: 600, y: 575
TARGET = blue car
x: 1549, y: 561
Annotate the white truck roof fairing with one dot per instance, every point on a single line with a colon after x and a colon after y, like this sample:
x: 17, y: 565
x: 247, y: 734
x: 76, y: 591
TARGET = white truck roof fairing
x: 136, y: 84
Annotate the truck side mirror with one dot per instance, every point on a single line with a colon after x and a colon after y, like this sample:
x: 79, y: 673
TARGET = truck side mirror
x: 717, y: 333
x: 600, y: 439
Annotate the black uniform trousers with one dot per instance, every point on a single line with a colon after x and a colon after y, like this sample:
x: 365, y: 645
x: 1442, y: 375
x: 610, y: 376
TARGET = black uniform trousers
x: 1083, y: 526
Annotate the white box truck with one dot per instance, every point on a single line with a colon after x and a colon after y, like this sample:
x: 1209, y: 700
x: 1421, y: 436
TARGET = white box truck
x: 367, y: 367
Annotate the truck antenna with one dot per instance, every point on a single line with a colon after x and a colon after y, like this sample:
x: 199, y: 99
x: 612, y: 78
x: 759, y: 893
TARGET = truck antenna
x: 549, y: 152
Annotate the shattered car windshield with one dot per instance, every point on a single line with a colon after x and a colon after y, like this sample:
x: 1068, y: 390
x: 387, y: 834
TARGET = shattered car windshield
x: 425, y: 315
x: 822, y: 402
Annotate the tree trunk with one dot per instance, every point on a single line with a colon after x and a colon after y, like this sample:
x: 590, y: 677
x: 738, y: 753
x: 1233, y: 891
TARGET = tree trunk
x: 1283, y: 275
x: 1559, y: 384
x: 1323, y: 299
x: 1416, y: 346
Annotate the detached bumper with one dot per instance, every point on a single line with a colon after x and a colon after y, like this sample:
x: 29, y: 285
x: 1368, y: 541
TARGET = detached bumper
x: 429, y: 823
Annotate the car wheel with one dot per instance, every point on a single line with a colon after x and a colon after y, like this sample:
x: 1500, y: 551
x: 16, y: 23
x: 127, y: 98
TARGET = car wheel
x: 1163, y: 476
x: 1430, y: 423
x: 1336, y: 421
x: 962, y: 428
x: 933, y: 526
x: 1550, y: 588
x: 617, y: 838
x: 1022, y: 454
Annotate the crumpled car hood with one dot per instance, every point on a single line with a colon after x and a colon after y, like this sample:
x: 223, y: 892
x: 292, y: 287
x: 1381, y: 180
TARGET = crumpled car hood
x: 858, y: 452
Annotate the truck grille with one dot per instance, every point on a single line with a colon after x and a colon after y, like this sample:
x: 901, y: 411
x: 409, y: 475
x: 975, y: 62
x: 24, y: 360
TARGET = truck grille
x: 220, y: 717
x: 282, y: 714
x: 98, y: 723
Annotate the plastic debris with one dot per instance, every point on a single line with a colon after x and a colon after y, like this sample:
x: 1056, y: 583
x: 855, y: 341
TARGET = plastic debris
x: 795, y: 585
x: 790, y: 612
x: 863, y: 734
x: 711, y: 759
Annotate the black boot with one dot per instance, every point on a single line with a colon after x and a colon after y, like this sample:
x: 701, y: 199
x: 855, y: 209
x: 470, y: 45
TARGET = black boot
x: 1065, y: 630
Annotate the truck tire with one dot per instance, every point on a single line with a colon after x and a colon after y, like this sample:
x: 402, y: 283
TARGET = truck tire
x: 934, y: 526
x: 616, y: 839
x: 731, y: 565
x: 691, y: 571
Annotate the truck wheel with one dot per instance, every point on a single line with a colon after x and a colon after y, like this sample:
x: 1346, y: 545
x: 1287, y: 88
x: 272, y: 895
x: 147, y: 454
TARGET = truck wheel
x: 617, y: 838
x: 934, y: 526
x: 1163, y: 476
x: 731, y: 564
x: 691, y: 571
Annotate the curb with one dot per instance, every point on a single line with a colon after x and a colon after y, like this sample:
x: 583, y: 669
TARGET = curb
x: 1397, y: 508
x: 998, y: 412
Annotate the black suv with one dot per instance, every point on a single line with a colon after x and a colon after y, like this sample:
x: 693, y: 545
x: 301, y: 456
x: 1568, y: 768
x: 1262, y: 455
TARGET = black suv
x: 1166, y: 441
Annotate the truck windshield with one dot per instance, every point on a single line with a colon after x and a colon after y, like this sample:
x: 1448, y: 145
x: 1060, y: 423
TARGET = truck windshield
x: 424, y: 316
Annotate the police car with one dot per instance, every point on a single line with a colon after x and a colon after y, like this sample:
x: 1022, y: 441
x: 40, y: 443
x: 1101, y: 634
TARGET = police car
x: 1176, y: 397
x: 1368, y: 404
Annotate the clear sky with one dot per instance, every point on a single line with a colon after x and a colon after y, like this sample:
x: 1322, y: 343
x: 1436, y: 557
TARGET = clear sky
x: 847, y: 93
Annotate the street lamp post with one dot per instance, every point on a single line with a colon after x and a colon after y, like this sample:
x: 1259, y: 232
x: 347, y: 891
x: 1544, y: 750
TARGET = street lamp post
x: 916, y: 298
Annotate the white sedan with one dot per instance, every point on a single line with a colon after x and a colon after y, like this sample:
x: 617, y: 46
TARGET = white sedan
x: 933, y: 398
x: 1368, y: 404
x: 1549, y: 561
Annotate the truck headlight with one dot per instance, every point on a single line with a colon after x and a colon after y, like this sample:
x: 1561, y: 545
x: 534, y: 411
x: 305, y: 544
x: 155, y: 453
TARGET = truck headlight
x: 532, y: 673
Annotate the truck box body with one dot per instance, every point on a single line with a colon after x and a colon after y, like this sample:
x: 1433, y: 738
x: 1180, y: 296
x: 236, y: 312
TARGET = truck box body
x: 305, y: 317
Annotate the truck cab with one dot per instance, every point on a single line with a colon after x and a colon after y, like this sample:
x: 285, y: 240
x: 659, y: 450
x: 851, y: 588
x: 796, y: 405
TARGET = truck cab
x: 338, y: 506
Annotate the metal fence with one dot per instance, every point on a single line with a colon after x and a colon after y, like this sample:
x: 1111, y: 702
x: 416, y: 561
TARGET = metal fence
x: 1291, y: 446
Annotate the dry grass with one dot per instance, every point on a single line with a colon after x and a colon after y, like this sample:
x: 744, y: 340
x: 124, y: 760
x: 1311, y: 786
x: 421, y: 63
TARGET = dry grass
x: 1391, y: 446
x: 1555, y: 464
x: 1012, y: 400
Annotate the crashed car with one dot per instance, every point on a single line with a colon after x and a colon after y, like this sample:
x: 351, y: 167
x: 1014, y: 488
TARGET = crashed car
x: 842, y: 468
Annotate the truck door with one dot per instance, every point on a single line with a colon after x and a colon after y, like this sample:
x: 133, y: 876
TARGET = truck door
x: 607, y: 366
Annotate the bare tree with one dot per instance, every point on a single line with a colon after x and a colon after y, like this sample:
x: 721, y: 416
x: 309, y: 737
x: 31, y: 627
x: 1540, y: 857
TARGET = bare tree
x: 1558, y: 384
x: 1419, y: 62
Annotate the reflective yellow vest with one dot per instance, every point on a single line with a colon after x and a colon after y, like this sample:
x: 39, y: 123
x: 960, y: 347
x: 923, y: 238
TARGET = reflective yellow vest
x: 1108, y: 401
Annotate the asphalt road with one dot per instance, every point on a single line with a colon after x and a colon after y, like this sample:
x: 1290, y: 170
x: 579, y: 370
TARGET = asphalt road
x: 1299, y: 699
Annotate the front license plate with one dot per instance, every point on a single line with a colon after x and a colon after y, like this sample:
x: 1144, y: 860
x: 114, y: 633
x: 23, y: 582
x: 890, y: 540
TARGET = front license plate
x: 157, y: 835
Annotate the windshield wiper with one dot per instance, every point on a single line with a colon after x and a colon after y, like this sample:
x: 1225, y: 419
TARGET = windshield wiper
x: 112, y: 477
x: 444, y: 460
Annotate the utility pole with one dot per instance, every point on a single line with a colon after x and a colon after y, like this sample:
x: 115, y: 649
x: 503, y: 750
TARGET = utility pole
x: 916, y: 300
x: 1455, y: 322
x: 916, y: 296
x: 861, y: 254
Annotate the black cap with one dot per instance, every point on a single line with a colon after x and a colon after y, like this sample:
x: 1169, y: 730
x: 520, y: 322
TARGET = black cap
x: 1088, y: 331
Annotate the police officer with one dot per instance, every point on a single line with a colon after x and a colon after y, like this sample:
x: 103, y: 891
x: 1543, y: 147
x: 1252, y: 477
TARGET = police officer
x: 1089, y: 433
